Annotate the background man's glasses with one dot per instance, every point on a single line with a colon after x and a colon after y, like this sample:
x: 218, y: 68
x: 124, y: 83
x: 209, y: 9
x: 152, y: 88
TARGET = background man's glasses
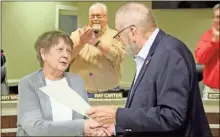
x: 98, y: 16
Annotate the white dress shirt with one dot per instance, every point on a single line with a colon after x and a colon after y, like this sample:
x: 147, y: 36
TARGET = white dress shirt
x: 60, y: 112
x: 142, y: 55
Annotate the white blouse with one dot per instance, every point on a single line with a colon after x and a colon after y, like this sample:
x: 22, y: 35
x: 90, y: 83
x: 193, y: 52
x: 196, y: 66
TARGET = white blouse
x: 60, y: 112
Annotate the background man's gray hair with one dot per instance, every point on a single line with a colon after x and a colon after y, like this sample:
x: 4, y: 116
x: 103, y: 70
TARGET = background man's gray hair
x: 135, y: 14
x: 217, y: 6
x: 98, y: 4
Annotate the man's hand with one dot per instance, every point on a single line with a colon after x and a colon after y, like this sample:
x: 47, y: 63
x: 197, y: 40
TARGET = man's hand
x: 90, y: 127
x: 92, y: 40
x: 84, y: 35
x: 103, y: 115
x: 109, y: 129
x: 102, y: 132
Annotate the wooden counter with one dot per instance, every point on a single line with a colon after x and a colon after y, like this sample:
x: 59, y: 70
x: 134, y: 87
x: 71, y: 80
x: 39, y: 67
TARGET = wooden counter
x: 9, y: 113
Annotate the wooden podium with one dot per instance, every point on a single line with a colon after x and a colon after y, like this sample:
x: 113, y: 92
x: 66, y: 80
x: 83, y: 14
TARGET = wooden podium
x: 9, y: 112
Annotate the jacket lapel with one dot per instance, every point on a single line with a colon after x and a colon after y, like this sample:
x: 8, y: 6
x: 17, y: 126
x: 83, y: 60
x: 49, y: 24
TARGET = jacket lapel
x: 71, y: 84
x: 130, y: 91
x: 140, y: 76
x: 144, y: 67
x: 44, y: 97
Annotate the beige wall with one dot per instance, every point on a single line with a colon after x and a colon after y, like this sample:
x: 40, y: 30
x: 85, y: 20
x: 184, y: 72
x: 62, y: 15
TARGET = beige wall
x: 22, y: 22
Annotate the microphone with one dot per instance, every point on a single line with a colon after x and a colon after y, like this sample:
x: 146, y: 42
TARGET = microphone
x: 91, y: 75
x: 96, y: 28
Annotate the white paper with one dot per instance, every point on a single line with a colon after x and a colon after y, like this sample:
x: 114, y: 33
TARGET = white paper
x: 67, y: 96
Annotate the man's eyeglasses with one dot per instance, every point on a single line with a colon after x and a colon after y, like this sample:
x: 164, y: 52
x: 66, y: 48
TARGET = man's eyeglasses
x: 98, y: 16
x: 118, y: 34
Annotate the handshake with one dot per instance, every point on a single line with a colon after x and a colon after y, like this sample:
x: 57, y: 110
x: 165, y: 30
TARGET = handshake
x: 101, y: 122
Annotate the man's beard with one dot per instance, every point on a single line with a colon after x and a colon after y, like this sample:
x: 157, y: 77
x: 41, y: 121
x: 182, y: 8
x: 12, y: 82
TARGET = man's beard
x: 130, y: 49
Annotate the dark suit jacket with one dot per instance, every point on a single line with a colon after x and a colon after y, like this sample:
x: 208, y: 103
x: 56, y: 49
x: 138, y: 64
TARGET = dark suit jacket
x: 165, y: 99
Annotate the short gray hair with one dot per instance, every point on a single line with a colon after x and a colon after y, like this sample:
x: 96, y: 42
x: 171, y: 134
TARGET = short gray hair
x: 49, y: 39
x: 135, y: 14
x: 216, y: 7
x: 98, y: 4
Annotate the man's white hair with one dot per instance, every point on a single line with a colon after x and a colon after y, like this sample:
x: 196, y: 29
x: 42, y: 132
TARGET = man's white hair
x: 135, y: 14
x: 98, y: 4
x: 216, y: 7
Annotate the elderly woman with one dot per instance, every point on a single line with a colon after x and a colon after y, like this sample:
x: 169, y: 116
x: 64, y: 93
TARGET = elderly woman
x: 40, y: 115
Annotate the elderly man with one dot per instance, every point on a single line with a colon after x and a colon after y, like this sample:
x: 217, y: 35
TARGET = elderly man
x: 207, y: 54
x: 97, y: 56
x: 164, y: 99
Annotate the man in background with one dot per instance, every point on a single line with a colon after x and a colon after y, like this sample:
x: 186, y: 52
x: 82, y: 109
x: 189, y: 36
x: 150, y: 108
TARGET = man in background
x: 207, y: 54
x: 96, y: 55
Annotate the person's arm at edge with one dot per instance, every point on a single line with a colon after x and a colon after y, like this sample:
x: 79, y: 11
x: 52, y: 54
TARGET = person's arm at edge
x: 206, y: 48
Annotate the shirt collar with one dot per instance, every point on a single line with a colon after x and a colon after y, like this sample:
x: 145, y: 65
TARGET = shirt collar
x: 146, y: 48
